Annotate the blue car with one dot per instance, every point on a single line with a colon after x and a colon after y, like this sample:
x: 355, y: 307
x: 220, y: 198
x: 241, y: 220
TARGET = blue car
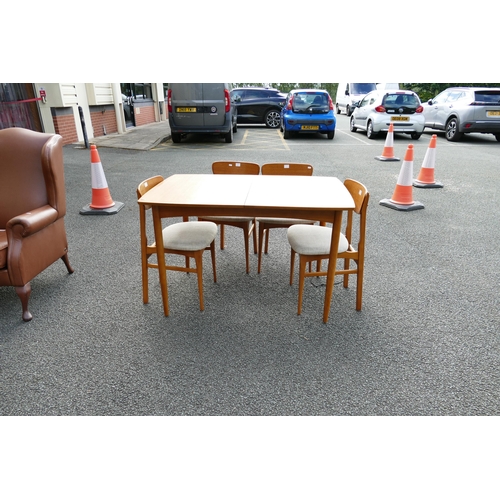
x: 308, y: 111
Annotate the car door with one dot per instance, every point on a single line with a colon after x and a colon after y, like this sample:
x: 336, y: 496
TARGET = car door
x: 444, y: 110
x: 214, y: 105
x: 436, y: 108
x: 362, y: 111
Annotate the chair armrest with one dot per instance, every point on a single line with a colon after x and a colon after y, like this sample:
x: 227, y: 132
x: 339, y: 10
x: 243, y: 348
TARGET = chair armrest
x: 31, y: 222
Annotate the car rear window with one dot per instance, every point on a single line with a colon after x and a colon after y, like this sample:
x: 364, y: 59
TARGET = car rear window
x: 395, y: 100
x: 488, y: 96
x: 310, y: 102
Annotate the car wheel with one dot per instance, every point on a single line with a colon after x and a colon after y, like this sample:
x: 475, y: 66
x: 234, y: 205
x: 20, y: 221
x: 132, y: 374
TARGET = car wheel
x: 229, y: 136
x: 331, y: 134
x: 452, y: 133
x: 369, y: 131
x: 415, y: 136
x: 286, y: 133
x: 272, y: 118
x: 176, y: 137
x: 352, y: 128
x: 348, y: 111
x: 235, y: 127
x: 497, y: 137
x: 337, y: 109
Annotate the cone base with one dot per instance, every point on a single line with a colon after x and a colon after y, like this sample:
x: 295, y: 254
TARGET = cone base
x: 416, y: 205
x: 87, y: 210
x: 419, y: 184
x: 387, y: 158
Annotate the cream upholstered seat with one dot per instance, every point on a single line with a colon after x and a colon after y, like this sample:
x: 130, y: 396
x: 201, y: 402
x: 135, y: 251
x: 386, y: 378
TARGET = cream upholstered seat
x: 245, y: 223
x: 312, y: 243
x: 265, y: 224
x: 190, y: 238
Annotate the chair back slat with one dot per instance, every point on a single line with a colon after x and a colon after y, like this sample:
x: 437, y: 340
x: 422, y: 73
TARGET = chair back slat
x: 235, y: 167
x: 287, y: 169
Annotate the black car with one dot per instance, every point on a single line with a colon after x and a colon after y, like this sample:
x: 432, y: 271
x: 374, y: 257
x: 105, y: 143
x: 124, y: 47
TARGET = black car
x: 258, y: 105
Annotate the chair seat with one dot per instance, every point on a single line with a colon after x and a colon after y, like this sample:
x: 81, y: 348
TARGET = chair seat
x: 313, y: 240
x: 192, y: 235
x: 271, y: 220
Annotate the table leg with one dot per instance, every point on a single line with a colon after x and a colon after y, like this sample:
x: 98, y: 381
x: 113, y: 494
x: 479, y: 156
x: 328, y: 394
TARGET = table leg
x: 161, y: 258
x: 332, y: 263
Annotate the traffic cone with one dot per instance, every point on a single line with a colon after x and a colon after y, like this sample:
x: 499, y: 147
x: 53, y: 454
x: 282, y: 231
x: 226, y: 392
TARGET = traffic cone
x: 388, y: 152
x: 102, y: 203
x: 402, y: 198
x: 425, y: 178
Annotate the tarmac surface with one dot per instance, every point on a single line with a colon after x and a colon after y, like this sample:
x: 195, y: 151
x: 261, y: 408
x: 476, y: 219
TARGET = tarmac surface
x: 425, y: 343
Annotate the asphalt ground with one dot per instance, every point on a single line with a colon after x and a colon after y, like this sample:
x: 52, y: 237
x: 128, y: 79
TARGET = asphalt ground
x: 426, y: 342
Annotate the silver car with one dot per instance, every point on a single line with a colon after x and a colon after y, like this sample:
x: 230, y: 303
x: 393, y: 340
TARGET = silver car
x: 462, y: 110
x: 378, y: 109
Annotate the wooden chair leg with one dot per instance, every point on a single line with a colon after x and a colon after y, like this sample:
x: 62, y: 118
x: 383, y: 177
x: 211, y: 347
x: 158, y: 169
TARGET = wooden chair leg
x: 247, y: 257
x: 212, y: 253
x: 261, y: 236
x: 302, y: 272
x: 254, y: 234
x: 292, y: 264
x: 199, y: 271
x: 23, y: 292
x: 222, y: 244
x: 145, y: 288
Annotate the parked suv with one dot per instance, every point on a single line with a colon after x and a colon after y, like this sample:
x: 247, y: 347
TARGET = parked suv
x: 258, y: 105
x: 462, y: 110
x: 201, y: 108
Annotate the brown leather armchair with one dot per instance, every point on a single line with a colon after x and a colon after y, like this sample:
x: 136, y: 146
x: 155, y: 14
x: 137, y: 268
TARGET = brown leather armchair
x: 32, y: 208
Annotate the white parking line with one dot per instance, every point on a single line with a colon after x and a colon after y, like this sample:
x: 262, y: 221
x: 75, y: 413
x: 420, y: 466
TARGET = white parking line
x: 350, y: 134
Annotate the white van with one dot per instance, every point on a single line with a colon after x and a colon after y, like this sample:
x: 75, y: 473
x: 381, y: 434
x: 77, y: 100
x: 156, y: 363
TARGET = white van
x: 387, y: 86
x: 350, y: 93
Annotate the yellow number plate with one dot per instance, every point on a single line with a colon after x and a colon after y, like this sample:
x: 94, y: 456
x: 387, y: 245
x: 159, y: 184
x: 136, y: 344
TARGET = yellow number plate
x: 399, y: 118
x: 310, y: 127
x: 185, y: 110
x: 493, y: 113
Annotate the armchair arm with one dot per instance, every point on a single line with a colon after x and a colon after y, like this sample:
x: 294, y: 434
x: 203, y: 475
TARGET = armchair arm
x: 31, y: 222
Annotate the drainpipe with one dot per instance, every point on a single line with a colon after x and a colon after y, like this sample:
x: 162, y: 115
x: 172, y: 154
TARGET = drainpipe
x: 120, y: 115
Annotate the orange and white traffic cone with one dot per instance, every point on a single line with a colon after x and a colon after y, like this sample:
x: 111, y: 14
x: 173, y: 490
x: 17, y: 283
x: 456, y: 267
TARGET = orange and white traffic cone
x: 388, y: 152
x: 402, y: 198
x: 101, y: 203
x: 425, y: 178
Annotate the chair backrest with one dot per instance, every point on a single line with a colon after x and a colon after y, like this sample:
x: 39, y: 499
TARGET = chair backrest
x: 286, y: 169
x: 360, y: 196
x: 235, y: 167
x: 142, y: 189
x: 31, y: 172
x: 147, y: 184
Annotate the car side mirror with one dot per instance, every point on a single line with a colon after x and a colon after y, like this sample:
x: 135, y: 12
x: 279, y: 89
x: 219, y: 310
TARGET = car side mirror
x: 429, y: 101
x: 346, y: 92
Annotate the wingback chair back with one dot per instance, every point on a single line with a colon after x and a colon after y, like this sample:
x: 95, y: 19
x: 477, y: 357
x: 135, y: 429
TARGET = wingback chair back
x: 32, y: 208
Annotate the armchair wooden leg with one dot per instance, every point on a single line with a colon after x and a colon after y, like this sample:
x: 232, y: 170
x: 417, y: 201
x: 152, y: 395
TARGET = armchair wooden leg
x: 199, y: 271
x: 65, y: 259
x: 23, y: 292
x: 212, y: 254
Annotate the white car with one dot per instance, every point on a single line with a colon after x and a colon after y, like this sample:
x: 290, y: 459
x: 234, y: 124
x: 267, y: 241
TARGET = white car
x: 377, y: 110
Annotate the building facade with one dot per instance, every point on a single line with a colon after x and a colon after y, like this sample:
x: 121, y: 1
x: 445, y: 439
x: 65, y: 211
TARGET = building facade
x: 80, y: 111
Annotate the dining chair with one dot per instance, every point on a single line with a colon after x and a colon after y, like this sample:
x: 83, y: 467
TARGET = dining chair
x: 312, y: 243
x: 247, y: 224
x: 265, y: 224
x: 188, y: 238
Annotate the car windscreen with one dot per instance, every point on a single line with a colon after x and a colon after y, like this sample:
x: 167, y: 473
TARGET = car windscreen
x: 362, y: 88
x: 310, y: 102
x: 487, y: 96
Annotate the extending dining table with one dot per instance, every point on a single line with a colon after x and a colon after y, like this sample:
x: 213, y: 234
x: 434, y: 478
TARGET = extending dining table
x: 201, y: 195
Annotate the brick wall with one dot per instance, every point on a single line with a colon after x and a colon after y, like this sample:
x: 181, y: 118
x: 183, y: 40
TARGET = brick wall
x: 103, y: 117
x: 144, y: 115
x: 64, y: 125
